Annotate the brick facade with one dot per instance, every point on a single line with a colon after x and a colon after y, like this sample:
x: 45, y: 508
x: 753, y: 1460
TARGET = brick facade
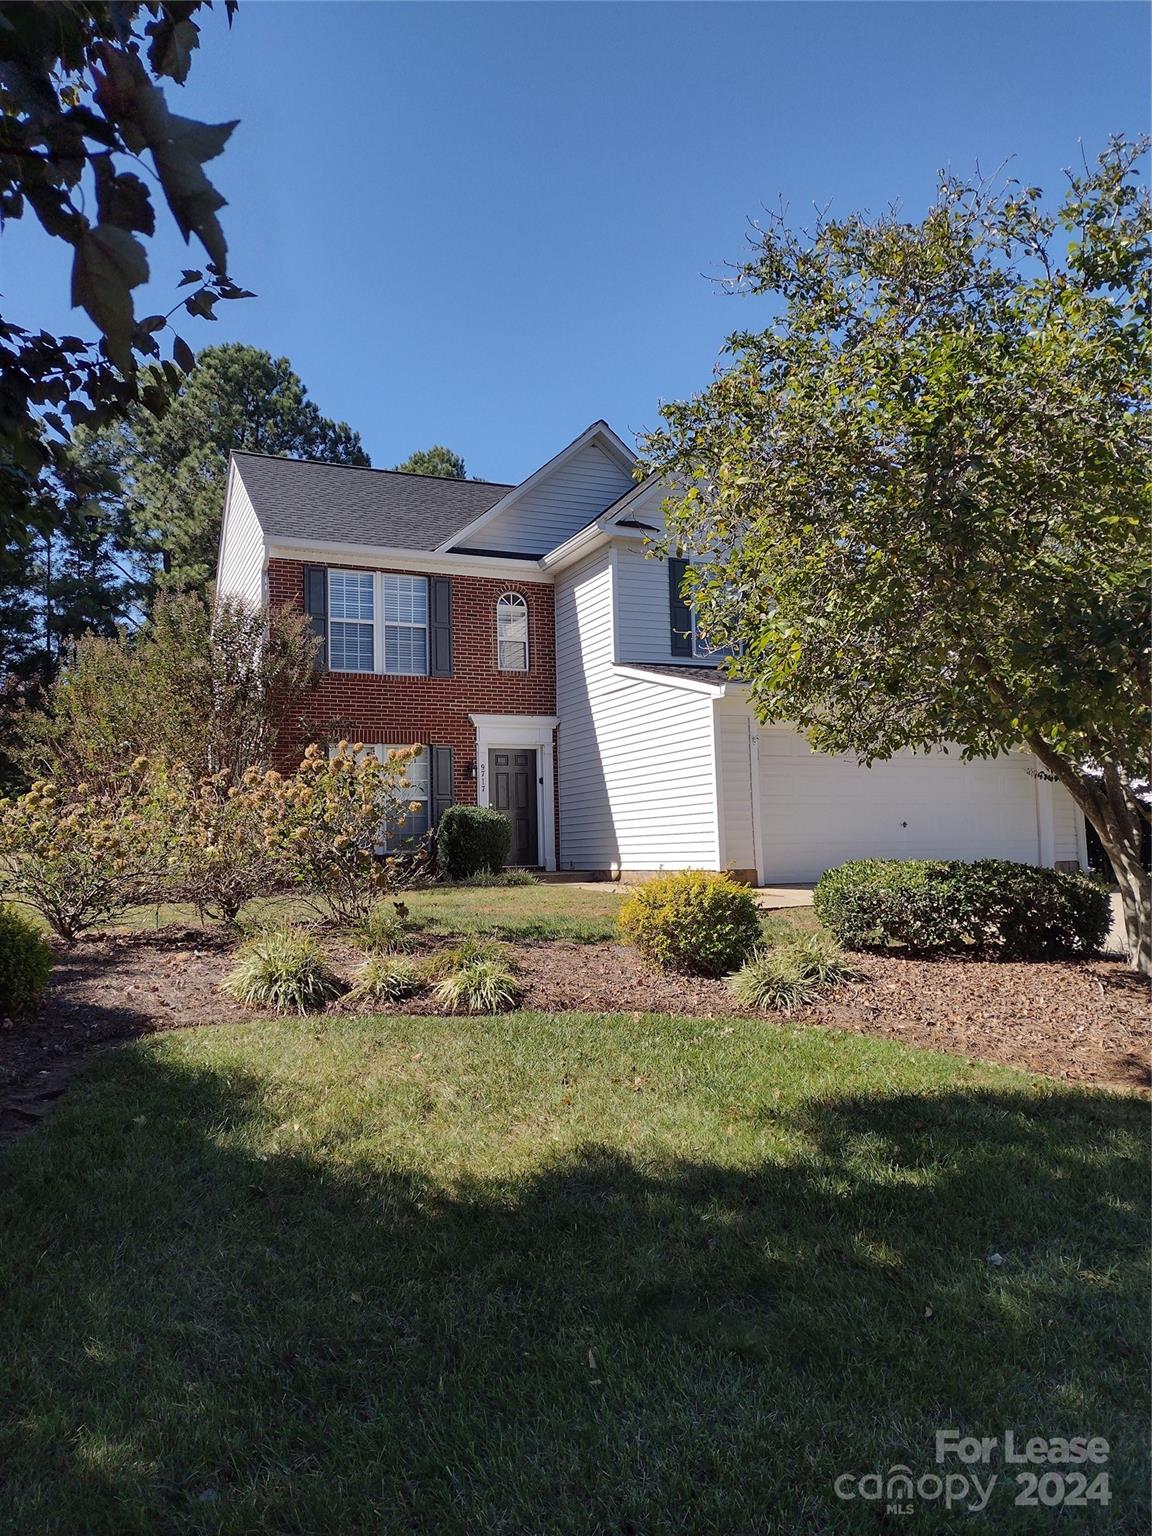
x: 432, y: 711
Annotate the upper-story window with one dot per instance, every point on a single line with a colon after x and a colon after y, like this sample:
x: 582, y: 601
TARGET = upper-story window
x: 351, y: 621
x: 377, y: 623
x: 404, y: 602
x: 512, y: 633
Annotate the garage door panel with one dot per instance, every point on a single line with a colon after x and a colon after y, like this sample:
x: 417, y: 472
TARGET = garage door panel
x: 817, y: 810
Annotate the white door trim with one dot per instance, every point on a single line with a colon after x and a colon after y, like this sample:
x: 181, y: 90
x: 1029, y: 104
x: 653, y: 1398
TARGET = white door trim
x: 525, y: 731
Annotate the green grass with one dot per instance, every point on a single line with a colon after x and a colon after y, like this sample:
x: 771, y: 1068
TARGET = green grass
x: 515, y: 913
x: 556, y: 1274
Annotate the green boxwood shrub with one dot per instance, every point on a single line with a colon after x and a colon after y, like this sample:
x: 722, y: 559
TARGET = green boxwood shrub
x: 472, y: 840
x: 1018, y: 911
x: 25, y: 961
x: 694, y: 922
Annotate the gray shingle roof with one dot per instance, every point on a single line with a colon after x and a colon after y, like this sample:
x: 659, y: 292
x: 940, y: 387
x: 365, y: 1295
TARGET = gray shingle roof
x: 696, y: 674
x: 303, y: 499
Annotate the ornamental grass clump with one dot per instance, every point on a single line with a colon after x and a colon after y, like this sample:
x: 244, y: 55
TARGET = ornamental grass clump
x: 480, y: 986
x: 790, y: 974
x: 384, y: 931
x: 285, y: 969
x: 388, y: 978
x: 694, y: 922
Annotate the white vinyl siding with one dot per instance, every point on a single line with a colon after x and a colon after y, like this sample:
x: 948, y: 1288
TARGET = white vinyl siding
x: 636, y: 759
x: 737, y: 785
x: 561, y: 504
x: 240, y: 573
x: 818, y: 810
x: 1067, y: 827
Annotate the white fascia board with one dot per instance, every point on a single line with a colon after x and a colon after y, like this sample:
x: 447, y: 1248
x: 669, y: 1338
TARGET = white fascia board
x: 688, y: 684
x: 599, y: 432
x: 525, y: 723
x: 621, y: 508
x: 585, y: 541
x: 330, y: 552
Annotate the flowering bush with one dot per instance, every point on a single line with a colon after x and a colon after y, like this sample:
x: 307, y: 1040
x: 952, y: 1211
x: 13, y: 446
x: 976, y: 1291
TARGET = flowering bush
x: 80, y: 855
x: 331, y: 820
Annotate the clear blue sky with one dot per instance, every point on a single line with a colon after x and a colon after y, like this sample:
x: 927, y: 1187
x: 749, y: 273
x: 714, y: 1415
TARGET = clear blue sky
x: 489, y: 224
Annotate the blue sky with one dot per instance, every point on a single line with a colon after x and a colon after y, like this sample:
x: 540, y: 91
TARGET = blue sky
x: 489, y: 224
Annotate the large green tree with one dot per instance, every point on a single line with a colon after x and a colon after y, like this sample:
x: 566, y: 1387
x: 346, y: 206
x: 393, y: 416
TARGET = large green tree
x: 436, y: 460
x: 923, y: 486
x: 173, y: 468
x: 80, y: 106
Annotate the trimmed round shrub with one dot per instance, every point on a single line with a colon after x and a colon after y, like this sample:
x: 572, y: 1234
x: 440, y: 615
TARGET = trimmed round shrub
x: 25, y: 961
x: 1019, y: 911
x: 472, y: 840
x: 285, y: 969
x: 694, y: 922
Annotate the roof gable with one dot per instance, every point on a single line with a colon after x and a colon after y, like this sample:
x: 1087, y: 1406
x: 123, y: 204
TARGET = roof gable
x: 561, y: 497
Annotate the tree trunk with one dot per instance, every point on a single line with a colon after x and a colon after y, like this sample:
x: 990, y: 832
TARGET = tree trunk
x: 1112, y: 807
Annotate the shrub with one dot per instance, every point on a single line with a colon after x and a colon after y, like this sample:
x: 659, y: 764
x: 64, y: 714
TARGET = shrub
x: 330, y: 820
x: 1018, y: 911
x: 698, y: 923
x: 80, y: 855
x: 480, y: 986
x: 285, y: 969
x: 386, y: 978
x: 472, y: 840
x: 385, y: 931
x: 506, y: 878
x: 791, y: 973
x: 470, y: 951
x: 25, y: 961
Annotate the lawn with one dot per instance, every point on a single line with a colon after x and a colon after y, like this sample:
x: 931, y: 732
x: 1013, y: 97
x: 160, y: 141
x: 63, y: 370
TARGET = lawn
x: 557, y: 1274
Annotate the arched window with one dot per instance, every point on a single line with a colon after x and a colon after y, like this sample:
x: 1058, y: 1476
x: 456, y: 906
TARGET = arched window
x: 512, y: 633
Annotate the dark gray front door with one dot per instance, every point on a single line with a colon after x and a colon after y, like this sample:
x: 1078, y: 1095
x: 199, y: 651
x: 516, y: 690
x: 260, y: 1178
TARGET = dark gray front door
x: 512, y: 789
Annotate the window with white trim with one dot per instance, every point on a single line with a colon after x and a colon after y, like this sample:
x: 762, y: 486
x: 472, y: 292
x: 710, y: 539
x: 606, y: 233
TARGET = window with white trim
x: 404, y: 612
x: 351, y: 621
x: 512, y: 633
x: 417, y: 775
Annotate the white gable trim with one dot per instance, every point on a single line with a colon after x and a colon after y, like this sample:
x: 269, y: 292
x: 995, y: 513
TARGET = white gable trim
x: 326, y: 552
x: 599, y: 433
x: 689, y: 684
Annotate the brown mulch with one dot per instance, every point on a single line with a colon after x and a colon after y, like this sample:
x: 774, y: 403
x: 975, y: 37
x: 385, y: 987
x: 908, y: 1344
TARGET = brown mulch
x: 1076, y: 1021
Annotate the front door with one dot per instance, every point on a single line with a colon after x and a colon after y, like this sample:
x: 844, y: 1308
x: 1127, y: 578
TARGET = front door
x: 512, y: 789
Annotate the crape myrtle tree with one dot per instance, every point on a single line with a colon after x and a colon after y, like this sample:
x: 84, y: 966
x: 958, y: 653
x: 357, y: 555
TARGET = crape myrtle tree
x: 90, y: 148
x: 922, y: 487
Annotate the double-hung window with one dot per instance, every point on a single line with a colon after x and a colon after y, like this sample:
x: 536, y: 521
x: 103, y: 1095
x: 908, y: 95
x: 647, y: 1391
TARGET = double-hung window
x: 377, y: 622
x: 404, y: 610
x: 351, y: 621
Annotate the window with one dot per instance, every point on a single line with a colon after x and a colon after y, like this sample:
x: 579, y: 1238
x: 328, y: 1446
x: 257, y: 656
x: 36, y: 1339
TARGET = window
x: 416, y: 823
x: 512, y: 633
x: 351, y: 628
x: 404, y: 608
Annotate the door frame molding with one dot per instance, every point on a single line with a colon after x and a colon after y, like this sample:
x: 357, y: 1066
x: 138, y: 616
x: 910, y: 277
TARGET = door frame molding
x: 529, y: 733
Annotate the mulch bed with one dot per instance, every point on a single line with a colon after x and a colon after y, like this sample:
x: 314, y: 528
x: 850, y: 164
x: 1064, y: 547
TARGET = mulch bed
x: 1084, y: 1022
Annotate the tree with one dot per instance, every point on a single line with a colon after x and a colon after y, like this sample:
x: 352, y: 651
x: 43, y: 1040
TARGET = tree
x: 436, y: 460
x: 202, y: 686
x: 79, y: 98
x: 173, y: 469
x: 923, y: 487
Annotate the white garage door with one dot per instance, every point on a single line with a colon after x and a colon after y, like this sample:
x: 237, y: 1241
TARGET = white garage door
x: 817, y: 810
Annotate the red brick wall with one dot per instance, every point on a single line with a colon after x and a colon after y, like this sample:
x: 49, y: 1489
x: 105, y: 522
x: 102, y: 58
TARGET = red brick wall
x: 430, y: 710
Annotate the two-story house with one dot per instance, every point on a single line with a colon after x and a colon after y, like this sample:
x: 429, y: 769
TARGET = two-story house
x: 528, y: 639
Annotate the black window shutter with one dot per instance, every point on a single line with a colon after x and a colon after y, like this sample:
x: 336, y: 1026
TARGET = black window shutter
x: 316, y: 606
x: 440, y: 626
x: 680, y: 613
x: 441, y: 782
